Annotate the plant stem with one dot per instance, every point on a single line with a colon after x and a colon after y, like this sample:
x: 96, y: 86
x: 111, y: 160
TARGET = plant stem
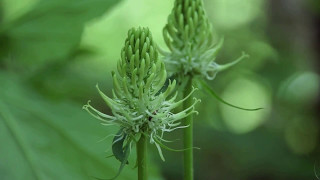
x: 142, y: 158
x: 188, y: 134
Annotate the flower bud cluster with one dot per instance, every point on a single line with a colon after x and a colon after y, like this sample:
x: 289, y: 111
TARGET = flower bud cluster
x: 188, y: 35
x: 139, y: 104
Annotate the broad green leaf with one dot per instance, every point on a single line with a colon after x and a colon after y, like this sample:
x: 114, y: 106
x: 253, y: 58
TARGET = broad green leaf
x: 51, y: 30
x: 202, y: 84
x: 41, y: 139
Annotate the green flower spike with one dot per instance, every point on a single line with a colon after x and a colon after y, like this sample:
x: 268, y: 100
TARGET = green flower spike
x: 139, y: 104
x: 188, y: 35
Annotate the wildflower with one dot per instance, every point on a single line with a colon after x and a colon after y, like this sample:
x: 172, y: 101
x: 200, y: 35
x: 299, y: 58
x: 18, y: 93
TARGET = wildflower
x: 140, y: 105
x: 188, y: 35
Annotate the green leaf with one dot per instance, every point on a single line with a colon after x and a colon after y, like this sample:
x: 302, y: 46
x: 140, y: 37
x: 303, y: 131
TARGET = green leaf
x: 42, y: 139
x: 117, y: 146
x: 203, y: 85
x: 124, y: 160
x: 51, y: 30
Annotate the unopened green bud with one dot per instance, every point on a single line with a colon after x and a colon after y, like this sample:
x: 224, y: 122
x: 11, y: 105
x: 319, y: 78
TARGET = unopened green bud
x: 188, y: 35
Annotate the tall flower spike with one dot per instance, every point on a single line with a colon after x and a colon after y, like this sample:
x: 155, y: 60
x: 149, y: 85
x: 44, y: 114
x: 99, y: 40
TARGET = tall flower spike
x: 139, y: 104
x: 188, y: 35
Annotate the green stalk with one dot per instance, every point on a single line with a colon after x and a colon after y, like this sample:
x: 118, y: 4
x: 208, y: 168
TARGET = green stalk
x: 188, y: 134
x: 142, y: 158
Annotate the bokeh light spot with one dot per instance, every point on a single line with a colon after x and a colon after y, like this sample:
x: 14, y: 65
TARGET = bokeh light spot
x: 301, y: 88
x: 243, y: 11
x: 249, y: 94
x: 302, y: 135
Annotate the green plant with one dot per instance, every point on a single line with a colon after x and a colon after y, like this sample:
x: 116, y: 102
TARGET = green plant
x: 188, y: 35
x: 140, y: 104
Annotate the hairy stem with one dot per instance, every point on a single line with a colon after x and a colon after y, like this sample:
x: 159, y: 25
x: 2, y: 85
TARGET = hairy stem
x: 142, y: 158
x: 188, y: 134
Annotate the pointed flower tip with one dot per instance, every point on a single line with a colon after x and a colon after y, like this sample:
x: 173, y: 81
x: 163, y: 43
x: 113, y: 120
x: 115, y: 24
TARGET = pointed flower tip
x: 194, y: 89
x: 197, y: 100
x: 85, y: 107
x: 194, y: 104
x: 223, y: 67
x: 186, y: 126
x: 245, y: 55
x: 197, y: 148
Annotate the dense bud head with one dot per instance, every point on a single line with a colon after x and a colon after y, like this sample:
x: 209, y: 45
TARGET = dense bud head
x: 188, y: 27
x: 140, y: 71
x: 139, y: 53
x: 188, y: 35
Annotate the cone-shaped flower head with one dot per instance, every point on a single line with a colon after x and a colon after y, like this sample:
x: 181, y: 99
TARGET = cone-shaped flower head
x: 139, y: 103
x: 188, y: 35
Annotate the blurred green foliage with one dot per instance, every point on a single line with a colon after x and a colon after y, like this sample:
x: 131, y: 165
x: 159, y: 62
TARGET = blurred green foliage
x: 52, y: 53
x: 46, y: 140
x: 51, y: 29
x: 50, y: 140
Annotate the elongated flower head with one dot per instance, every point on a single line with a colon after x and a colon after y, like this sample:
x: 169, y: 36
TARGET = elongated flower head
x: 139, y: 56
x: 188, y: 35
x: 188, y: 28
x: 140, y: 104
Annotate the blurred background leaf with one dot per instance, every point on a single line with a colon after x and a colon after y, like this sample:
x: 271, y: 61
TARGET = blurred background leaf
x: 46, y: 140
x: 50, y: 30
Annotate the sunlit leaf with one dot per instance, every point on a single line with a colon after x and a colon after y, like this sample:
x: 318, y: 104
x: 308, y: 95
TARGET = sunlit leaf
x: 52, y: 29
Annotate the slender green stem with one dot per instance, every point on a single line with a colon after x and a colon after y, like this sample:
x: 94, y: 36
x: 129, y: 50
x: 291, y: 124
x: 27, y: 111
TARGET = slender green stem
x: 188, y: 134
x: 142, y: 158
